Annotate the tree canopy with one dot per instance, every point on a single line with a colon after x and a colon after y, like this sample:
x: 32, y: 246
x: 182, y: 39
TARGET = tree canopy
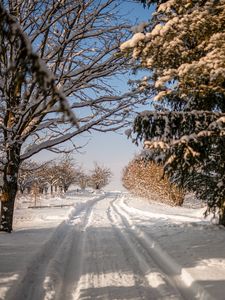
x: 183, y: 48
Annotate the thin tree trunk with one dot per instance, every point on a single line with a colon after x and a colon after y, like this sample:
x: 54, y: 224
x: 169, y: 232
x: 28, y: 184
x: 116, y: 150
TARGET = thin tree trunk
x: 222, y: 216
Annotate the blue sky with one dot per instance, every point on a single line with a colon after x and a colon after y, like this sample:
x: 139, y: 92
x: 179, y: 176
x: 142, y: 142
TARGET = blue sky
x: 110, y: 149
x: 113, y: 150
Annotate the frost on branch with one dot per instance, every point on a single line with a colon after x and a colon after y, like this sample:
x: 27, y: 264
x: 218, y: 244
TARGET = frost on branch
x: 77, y: 55
x: 24, y: 71
x: 178, y: 127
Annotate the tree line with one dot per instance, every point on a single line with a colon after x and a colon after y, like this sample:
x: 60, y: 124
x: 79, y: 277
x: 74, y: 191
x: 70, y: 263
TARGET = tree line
x: 59, y: 175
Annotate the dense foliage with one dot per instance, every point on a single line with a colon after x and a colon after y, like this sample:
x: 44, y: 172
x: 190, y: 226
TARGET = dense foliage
x: 145, y: 179
x: 183, y: 47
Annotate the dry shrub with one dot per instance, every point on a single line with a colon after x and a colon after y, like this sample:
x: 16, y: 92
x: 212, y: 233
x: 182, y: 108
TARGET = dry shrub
x: 146, y: 179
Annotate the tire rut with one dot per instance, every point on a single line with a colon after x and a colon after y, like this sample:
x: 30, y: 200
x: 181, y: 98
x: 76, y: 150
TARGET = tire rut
x: 160, y: 286
x: 44, y: 276
x: 109, y: 270
x: 177, y: 277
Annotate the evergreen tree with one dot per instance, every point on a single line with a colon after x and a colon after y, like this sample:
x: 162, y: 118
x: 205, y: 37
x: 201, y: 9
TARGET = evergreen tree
x: 184, y: 49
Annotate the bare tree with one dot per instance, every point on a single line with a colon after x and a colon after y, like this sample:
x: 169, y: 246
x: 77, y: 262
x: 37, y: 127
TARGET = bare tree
x: 27, y: 175
x: 99, y: 177
x: 78, y: 42
x: 22, y: 73
x: 67, y: 173
x: 51, y: 175
x: 83, y: 179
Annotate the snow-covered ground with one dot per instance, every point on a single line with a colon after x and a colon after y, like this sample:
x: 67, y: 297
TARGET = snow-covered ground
x: 111, y: 246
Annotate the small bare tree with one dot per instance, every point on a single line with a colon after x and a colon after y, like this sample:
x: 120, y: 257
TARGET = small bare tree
x: 99, y: 177
x: 83, y: 179
x: 27, y: 175
x: 67, y: 173
x: 51, y: 175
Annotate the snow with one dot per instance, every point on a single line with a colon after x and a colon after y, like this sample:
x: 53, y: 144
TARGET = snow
x: 111, y: 246
x: 139, y: 28
x: 133, y: 42
x: 164, y: 47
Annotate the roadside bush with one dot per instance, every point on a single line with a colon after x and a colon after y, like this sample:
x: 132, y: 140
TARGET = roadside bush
x: 146, y: 179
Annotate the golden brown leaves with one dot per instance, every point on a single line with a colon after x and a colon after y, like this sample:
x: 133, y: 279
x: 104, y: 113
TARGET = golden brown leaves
x: 146, y: 179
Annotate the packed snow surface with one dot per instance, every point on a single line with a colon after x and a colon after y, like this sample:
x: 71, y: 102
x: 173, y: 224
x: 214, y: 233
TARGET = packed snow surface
x: 111, y: 246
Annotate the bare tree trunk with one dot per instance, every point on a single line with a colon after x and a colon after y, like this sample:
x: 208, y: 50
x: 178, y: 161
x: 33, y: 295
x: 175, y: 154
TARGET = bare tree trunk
x: 7, y: 205
x: 9, y: 189
x: 222, y: 216
x: 65, y: 188
x: 7, y: 209
x: 41, y: 190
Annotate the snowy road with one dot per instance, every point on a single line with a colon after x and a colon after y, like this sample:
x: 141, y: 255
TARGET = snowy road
x: 104, y: 250
x: 114, y: 264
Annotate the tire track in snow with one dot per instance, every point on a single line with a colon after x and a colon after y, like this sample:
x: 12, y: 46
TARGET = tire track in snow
x: 72, y: 264
x: 109, y: 270
x: 160, y: 286
x: 44, y: 277
x: 176, y: 275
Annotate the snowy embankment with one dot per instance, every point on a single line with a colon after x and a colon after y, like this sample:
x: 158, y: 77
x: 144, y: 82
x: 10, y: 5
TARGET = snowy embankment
x: 111, y: 246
